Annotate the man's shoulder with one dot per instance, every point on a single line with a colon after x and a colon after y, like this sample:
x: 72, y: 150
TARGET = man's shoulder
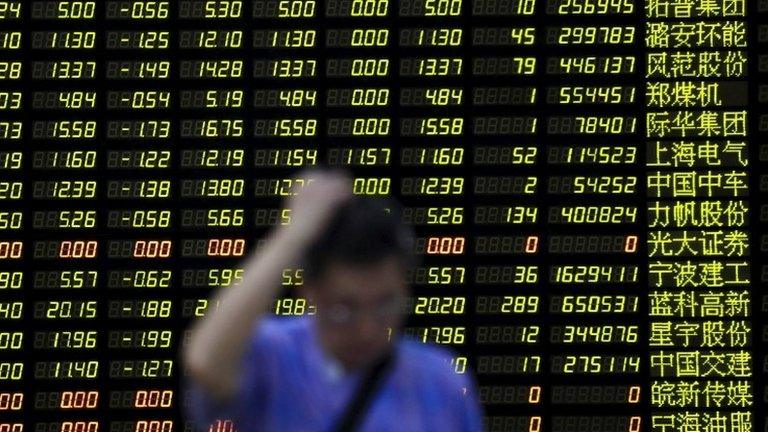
x: 283, y: 323
x: 440, y: 387
x: 274, y: 329
x: 429, y: 360
x: 427, y: 352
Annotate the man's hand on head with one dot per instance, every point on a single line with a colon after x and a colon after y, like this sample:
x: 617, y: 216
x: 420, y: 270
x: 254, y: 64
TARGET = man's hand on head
x: 219, y: 339
x: 314, y: 203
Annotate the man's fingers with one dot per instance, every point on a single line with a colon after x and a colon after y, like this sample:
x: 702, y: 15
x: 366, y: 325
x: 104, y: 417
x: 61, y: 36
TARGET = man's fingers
x: 326, y: 186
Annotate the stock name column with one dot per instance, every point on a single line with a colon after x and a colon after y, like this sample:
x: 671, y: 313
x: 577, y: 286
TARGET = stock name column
x: 593, y: 186
x: 758, y: 37
x: 699, y: 297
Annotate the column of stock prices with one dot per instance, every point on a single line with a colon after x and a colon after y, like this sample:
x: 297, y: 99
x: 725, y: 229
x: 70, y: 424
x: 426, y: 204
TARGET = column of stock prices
x: 579, y: 174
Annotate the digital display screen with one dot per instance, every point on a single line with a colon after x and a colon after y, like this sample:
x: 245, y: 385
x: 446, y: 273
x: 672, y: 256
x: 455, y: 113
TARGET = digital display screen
x: 586, y: 179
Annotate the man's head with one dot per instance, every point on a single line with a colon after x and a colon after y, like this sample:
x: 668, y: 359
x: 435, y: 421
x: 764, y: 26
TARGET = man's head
x: 355, y: 274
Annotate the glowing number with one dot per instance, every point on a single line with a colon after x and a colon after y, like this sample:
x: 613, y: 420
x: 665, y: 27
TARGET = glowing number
x: 369, y: 8
x: 79, y: 399
x: 460, y: 364
x: 154, y: 426
x: 223, y: 426
x: 525, y: 7
x: 371, y: 186
x: 11, y: 250
x: 630, y: 245
x: 13, y: 401
x: 226, y: 247
x: 445, y: 245
x: 531, y: 244
x: 79, y: 426
x: 296, y: 9
x: 535, y: 424
x: 78, y: 249
x: 534, y: 394
x: 152, y: 249
x: 153, y: 398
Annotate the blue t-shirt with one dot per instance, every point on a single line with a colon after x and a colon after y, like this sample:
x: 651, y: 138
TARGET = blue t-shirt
x: 288, y: 383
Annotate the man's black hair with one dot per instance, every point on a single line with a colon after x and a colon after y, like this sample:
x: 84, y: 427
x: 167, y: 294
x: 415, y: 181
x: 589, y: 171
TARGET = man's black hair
x: 364, y: 230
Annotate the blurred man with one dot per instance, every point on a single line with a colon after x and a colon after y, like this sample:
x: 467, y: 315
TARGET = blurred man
x: 345, y: 364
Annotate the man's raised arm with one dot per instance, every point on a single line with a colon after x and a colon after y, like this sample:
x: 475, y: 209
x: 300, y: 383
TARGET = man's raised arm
x: 218, y: 340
